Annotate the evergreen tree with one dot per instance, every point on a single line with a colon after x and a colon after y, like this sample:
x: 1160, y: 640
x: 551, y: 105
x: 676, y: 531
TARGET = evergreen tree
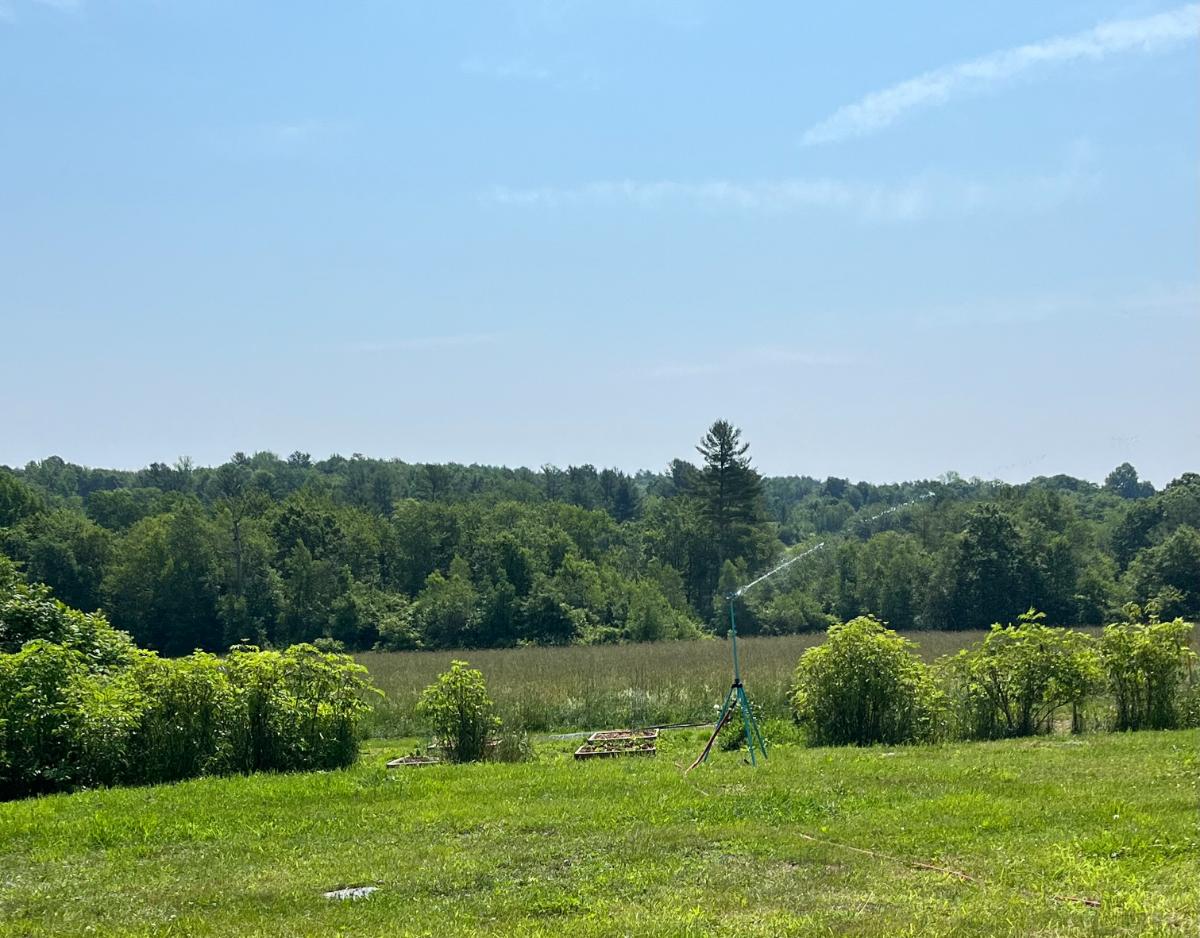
x: 729, y: 488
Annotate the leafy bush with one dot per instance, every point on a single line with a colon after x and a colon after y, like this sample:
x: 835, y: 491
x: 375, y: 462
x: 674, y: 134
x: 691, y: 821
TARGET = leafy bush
x: 184, y: 728
x: 1020, y: 676
x: 40, y: 719
x: 295, y: 709
x: 61, y: 726
x: 29, y: 612
x: 865, y: 685
x: 460, y: 712
x: 1148, y: 665
x: 80, y: 705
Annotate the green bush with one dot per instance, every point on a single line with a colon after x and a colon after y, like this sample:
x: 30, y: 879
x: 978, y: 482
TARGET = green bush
x: 40, y: 723
x: 1150, y: 668
x: 865, y: 685
x: 295, y: 709
x: 61, y: 725
x: 460, y: 712
x: 64, y: 726
x: 80, y: 705
x: 184, y: 728
x: 29, y: 612
x: 1017, y: 680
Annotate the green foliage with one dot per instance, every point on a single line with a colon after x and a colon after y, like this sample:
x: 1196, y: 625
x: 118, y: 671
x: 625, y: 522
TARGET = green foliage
x: 64, y: 548
x: 163, y: 586
x: 62, y: 726
x: 80, y: 706
x: 1123, y: 482
x: 187, y: 720
x: 865, y: 685
x: 1169, y: 574
x: 1149, y: 667
x: 1017, y: 680
x: 730, y: 490
x: 17, y: 500
x: 513, y: 745
x: 460, y: 713
x: 275, y: 551
x: 733, y: 734
x: 29, y: 612
x: 41, y: 724
x: 296, y: 709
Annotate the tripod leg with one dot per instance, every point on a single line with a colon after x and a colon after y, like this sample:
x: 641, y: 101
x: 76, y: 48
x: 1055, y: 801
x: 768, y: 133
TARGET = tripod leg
x: 726, y: 713
x: 762, y: 743
x: 747, y: 722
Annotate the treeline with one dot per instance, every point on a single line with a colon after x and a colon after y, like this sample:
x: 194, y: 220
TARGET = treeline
x: 382, y: 553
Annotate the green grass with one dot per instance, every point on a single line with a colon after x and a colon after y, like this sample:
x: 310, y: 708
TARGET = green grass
x: 589, y: 687
x: 633, y: 847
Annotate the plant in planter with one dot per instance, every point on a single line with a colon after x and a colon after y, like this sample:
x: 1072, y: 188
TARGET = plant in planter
x: 460, y: 712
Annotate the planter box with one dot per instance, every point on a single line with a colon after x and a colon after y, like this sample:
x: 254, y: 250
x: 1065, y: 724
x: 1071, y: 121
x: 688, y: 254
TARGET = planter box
x: 588, y: 751
x: 611, y: 743
x: 606, y: 735
x: 412, y: 760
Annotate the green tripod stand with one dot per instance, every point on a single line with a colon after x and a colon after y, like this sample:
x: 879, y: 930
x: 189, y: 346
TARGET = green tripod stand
x: 735, y: 700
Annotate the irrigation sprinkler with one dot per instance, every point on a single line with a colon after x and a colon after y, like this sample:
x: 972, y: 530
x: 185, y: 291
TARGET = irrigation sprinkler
x: 735, y: 699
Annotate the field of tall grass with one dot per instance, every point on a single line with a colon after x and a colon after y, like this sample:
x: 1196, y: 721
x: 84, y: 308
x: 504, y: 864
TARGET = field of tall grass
x: 582, y: 687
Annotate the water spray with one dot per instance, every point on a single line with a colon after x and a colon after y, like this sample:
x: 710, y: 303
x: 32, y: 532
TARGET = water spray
x: 736, y: 696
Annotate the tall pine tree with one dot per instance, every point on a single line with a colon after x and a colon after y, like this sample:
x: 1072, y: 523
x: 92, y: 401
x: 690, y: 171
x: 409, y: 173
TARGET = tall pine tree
x: 729, y: 489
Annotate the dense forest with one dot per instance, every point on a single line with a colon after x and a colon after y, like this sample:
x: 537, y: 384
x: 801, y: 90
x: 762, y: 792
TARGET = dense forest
x: 382, y: 553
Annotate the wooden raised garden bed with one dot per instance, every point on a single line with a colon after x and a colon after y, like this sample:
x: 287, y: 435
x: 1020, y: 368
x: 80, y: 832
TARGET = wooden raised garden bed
x: 412, y: 760
x: 611, y: 743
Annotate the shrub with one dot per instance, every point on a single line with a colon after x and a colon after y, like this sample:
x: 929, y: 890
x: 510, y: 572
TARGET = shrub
x: 296, y: 709
x: 61, y: 727
x: 29, y: 612
x: 184, y: 728
x: 1148, y: 665
x: 865, y: 685
x: 39, y: 748
x: 513, y: 745
x: 1020, y: 676
x: 460, y: 712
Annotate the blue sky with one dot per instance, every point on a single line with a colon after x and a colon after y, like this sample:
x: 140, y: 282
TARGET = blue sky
x: 887, y: 240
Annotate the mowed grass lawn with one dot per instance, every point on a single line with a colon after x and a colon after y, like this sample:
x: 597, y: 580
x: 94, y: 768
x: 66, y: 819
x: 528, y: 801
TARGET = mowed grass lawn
x: 632, y: 847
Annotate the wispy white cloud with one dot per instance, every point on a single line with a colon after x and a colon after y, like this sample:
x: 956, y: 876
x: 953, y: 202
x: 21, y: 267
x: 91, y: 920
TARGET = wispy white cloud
x: 508, y: 70
x: 922, y: 197
x: 883, y: 108
x: 426, y: 343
